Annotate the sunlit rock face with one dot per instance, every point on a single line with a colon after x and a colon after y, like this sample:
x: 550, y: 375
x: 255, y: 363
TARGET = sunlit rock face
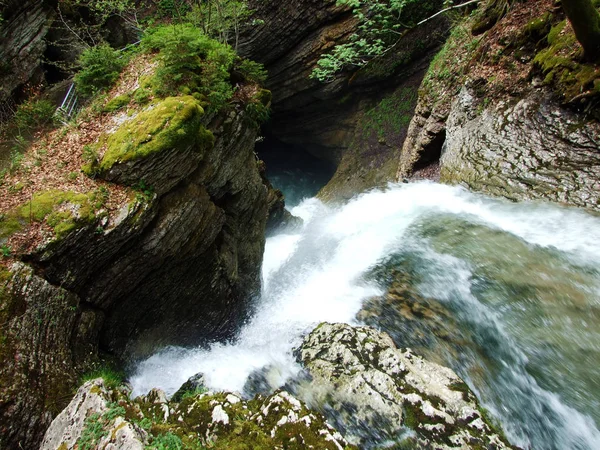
x: 380, y: 392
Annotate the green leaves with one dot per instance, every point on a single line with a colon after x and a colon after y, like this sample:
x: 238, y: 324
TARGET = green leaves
x: 100, y: 68
x: 377, y: 30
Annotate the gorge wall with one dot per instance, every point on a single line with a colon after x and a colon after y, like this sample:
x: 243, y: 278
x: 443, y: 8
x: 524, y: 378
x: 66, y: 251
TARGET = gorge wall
x: 99, y: 265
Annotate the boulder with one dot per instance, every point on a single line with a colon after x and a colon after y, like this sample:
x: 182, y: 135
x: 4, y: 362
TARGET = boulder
x: 381, y: 393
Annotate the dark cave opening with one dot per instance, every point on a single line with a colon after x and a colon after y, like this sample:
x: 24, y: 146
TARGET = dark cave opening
x: 432, y: 153
x: 428, y: 165
x: 293, y: 169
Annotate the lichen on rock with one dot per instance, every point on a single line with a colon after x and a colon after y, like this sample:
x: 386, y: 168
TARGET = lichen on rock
x: 378, y: 392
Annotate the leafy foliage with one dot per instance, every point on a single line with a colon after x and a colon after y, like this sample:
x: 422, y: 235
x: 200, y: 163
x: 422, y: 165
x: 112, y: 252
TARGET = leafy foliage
x: 380, y: 25
x: 100, y: 68
x: 167, y: 441
x: 252, y: 71
x: 220, y: 19
x: 191, y: 62
x: 34, y: 114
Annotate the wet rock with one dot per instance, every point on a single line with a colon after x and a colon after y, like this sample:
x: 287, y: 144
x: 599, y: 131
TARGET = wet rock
x: 195, y: 384
x: 102, y: 418
x: 381, y: 392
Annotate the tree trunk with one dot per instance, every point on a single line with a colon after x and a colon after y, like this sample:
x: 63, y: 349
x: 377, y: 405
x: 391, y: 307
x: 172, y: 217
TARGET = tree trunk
x: 585, y: 19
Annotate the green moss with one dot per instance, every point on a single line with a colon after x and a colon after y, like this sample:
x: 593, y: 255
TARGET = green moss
x: 264, y: 97
x: 449, y: 65
x: 63, y: 211
x: 117, y: 103
x: 172, y: 123
x: 391, y: 114
x: 562, y: 68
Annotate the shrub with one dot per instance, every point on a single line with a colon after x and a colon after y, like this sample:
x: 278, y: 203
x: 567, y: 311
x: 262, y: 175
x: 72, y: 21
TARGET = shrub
x: 34, y: 114
x: 100, y: 68
x: 191, y: 62
x: 252, y: 71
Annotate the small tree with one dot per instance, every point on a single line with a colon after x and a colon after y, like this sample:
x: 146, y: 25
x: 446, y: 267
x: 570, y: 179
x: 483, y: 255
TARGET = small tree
x: 585, y: 19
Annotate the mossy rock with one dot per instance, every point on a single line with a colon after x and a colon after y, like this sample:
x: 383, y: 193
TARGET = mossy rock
x: 117, y: 103
x: 173, y: 123
x: 63, y: 211
x: 562, y: 67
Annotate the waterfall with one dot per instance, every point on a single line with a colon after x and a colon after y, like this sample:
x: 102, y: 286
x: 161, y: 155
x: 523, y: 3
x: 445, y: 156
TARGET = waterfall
x: 522, y: 278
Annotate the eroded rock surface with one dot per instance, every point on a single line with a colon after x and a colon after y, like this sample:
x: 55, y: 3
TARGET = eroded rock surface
x: 528, y: 149
x: 381, y: 392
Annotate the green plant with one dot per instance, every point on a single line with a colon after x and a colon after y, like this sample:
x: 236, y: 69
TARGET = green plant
x: 93, y: 431
x: 5, y: 251
x: 89, y: 154
x: 380, y: 25
x: 220, y: 19
x: 112, y: 378
x: 167, y: 441
x: 191, y: 62
x: 34, y: 114
x: 144, y: 191
x: 252, y: 71
x: 96, y: 426
x: 172, y: 8
x: 100, y: 68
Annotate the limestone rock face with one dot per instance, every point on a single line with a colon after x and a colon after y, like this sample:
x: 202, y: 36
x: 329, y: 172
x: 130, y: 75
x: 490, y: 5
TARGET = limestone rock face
x: 23, y: 31
x: 530, y: 149
x: 382, y: 391
x: 44, y: 337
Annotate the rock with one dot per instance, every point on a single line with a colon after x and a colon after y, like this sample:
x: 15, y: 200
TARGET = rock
x: 504, y: 134
x: 528, y: 149
x: 194, y: 385
x: 379, y: 391
x: 24, y: 26
x: 89, y: 408
x: 102, y: 418
x: 146, y: 264
x: 176, y: 266
x: 338, y: 121
x: 278, y: 421
x: 279, y: 219
x: 46, y: 340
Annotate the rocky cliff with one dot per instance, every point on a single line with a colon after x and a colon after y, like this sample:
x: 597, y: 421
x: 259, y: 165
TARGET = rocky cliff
x: 511, y: 112
x: 160, y: 243
x: 358, y: 120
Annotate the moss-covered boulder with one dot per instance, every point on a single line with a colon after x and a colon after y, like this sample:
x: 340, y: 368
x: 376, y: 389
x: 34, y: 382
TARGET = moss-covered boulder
x: 378, y: 392
x: 159, y: 146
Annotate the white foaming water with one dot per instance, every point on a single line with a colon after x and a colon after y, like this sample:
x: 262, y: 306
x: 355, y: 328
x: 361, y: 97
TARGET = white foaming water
x: 314, y: 276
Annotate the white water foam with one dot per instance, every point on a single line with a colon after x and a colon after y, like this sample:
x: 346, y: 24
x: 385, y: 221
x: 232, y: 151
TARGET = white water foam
x: 314, y: 275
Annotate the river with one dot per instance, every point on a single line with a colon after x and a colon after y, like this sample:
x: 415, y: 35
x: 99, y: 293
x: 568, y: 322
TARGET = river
x: 517, y: 283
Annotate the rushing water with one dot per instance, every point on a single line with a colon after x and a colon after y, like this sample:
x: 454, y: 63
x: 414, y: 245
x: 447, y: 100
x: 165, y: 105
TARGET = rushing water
x: 521, y: 282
